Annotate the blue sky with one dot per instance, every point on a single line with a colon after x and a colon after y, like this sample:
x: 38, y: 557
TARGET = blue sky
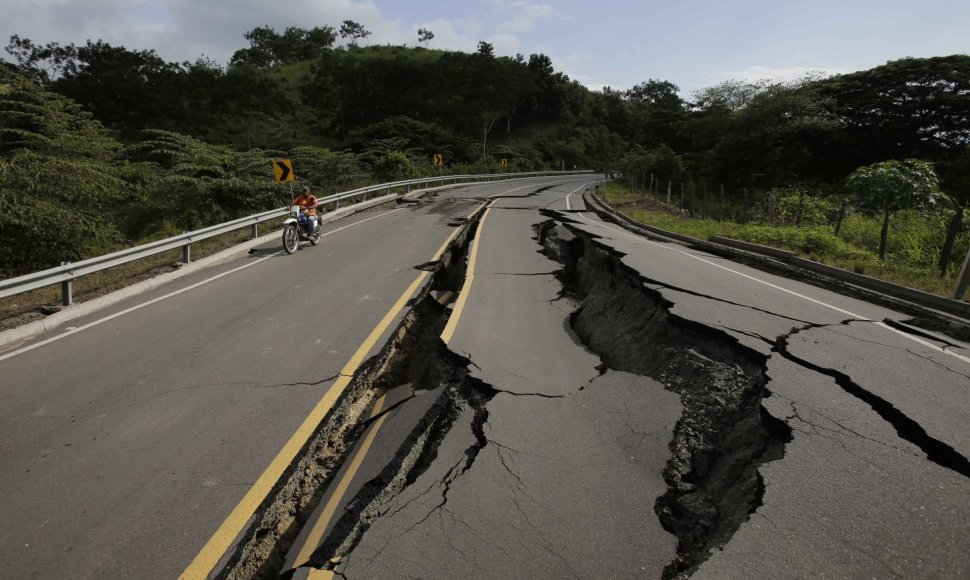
x: 617, y: 43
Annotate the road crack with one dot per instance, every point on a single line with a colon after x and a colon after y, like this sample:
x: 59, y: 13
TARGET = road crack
x: 724, y: 434
x: 909, y: 430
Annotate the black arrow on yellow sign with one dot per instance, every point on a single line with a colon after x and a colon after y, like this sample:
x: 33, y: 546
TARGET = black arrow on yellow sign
x: 283, y: 170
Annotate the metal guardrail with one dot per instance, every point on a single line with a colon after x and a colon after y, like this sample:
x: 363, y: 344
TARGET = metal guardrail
x: 67, y: 272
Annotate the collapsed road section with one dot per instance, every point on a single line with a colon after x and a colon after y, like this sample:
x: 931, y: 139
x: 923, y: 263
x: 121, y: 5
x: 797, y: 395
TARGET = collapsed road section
x: 724, y: 434
x: 405, y: 359
x: 719, y: 442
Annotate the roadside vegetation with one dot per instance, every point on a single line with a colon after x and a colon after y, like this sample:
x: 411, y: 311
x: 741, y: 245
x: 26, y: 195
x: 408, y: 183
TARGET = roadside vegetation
x: 913, y: 250
x: 103, y: 147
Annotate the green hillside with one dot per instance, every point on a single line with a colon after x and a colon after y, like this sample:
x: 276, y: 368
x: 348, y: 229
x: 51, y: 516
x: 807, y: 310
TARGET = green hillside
x: 132, y: 147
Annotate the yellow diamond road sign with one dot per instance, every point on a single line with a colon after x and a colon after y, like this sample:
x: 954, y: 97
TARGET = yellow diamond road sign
x: 283, y: 170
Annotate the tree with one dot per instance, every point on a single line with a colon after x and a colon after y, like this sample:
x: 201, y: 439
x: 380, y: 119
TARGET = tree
x: 657, y: 111
x: 486, y: 91
x: 125, y: 89
x: 730, y: 95
x: 425, y: 36
x: 912, y: 107
x: 353, y: 31
x: 267, y: 48
x: 317, y: 39
x: 780, y: 131
x: 485, y: 49
x: 889, y: 186
x: 955, y: 179
x: 657, y: 94
x: 661, y: 165
x: 42, y: 64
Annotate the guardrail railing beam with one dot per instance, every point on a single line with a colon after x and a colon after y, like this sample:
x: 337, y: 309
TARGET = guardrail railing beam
x: 65, y: 273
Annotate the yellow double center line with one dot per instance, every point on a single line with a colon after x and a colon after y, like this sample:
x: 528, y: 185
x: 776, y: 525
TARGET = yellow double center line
x: 320, y: 526
x: 449, y: 330
x: 223, y: 538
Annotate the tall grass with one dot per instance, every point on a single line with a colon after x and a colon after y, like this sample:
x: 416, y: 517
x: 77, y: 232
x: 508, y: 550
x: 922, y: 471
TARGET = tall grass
x: 914, y: 245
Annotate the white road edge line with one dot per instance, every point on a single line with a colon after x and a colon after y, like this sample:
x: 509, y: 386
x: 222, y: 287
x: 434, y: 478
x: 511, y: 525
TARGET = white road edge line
x: 568, y: 207
x: 169, y: 295
x: 792, y: 292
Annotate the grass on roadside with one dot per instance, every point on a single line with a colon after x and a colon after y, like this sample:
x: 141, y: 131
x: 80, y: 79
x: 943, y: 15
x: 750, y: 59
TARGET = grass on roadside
x: 816, y: 243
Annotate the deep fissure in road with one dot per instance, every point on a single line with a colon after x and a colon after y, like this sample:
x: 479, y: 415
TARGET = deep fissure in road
x: 722, y: 438
x: 448, y: 372
x: 908, y: 429
x: 413, y: 356
x: 724, y: 434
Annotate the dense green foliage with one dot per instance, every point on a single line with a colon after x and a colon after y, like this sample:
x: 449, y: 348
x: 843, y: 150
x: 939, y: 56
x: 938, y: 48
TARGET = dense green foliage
x: 181, y: 144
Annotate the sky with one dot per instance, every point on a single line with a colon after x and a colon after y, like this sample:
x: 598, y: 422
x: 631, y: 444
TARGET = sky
x: 616, y: 43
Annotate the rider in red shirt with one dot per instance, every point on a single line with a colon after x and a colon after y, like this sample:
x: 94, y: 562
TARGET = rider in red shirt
x: 308, y: 202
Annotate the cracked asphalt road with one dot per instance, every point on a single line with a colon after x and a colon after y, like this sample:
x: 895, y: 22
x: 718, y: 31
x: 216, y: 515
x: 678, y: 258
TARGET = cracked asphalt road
x: 124, y: 447
x: 566, y: 483
x: 857, y: 493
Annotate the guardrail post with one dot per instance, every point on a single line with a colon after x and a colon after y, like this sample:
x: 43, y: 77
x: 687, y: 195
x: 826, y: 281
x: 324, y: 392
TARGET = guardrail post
x: 67, y: 290
x: 186, y: 252
x: 963, y: 280
x: 254, y: 231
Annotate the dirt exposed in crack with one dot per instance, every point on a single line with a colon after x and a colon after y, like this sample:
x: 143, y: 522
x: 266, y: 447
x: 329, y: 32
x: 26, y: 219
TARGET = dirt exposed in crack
x: 438, y: 368
x: 724, y: 434
x: 412, y: 355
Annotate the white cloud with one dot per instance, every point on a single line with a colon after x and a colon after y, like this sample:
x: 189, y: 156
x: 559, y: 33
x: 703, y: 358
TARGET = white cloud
x: 446, y: 35
x: 504, y: 43
x: 186, y: 29
x: 524, y: 16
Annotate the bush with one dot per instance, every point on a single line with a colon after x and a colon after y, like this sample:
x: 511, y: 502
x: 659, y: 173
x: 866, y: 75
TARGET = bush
x: 394, y: 166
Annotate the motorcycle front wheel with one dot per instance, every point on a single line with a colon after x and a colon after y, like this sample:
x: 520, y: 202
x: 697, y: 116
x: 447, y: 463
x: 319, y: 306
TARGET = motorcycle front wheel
x: 291, y: 238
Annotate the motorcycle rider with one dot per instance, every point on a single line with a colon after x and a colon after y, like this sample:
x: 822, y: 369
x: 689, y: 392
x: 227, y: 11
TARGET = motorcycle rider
x: 308, y: 202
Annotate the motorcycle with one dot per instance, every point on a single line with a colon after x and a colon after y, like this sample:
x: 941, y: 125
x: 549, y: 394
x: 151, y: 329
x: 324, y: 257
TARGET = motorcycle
x: 294, y: 230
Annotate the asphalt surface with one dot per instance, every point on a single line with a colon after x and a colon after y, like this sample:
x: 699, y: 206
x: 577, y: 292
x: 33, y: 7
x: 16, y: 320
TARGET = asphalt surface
x: 565, y: 483
x: 124, y: 446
